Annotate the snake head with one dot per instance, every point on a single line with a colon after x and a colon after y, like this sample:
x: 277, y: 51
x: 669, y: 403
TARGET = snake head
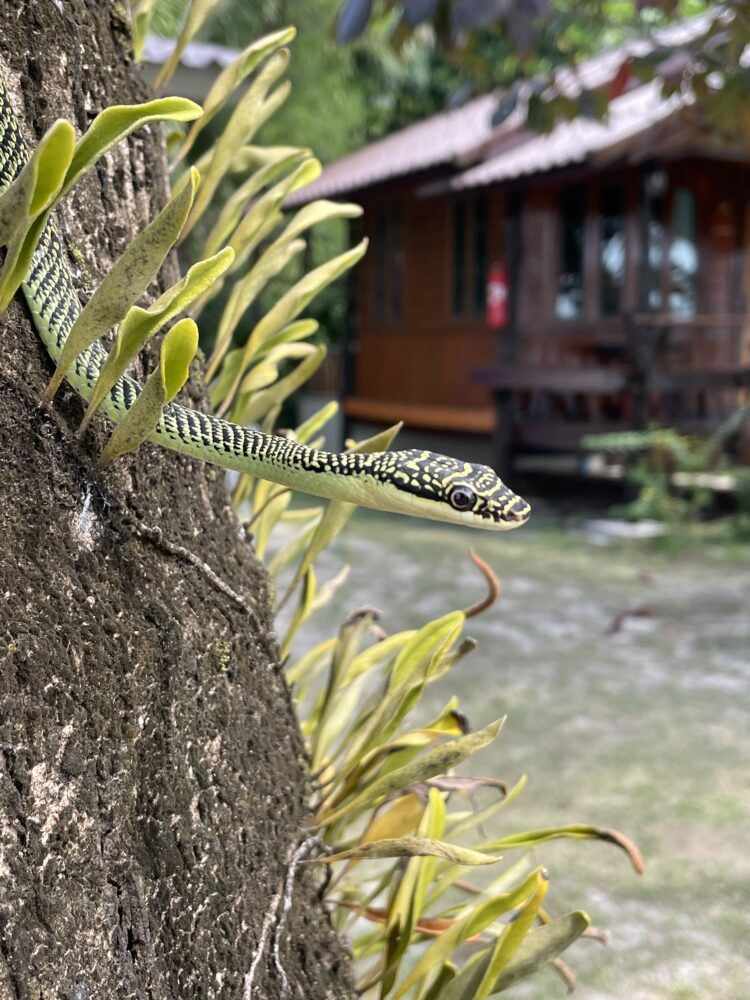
x: 448, y: 489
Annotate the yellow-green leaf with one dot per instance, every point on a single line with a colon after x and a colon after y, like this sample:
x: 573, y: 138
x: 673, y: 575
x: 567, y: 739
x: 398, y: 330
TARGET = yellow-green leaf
x: 376, y: 654
x: 233, y: 75
x: 251, y: 111
x: 463, y: 824
x: 140, y: 325
x: 138, y: 423
x: 291, y: 549
x: 141, y: 14
x: 301, y: 613
x: 291, y: 304
x: 295, y: 300
x: 25, y: 205
x: 310, y: 663
x: 265, y: 214
x: 177, y: 352
x: 251, y: 157
x: 319, y: 419
x: 412, y: 847
x: 320, y: 211
x: 406, y: 906
x: 114, y: 123
x: 576, y: 831
x: 256, y: 405
x: 448, y: 971
x: 266, y: 370
x: 397, y: 819
x: 539, y: 947
x: 127, y: 280
x: 197, y: 13
x: 241, y: 297
x: 426, y: 647
x: 237, y: 204
x: 481, y: 916
x: 437, y: 761
x: 507, y: 945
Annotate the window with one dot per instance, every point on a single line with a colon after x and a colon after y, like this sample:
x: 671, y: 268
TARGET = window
x: 388, y: 265
x: 683, y: 255
x: 469, y: 257
x: 611, y: 249
x: 569, y: 302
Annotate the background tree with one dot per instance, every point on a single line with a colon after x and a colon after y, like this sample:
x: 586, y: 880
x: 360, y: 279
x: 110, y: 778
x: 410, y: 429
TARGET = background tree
x: 498, y: 43
x: 152, y: 784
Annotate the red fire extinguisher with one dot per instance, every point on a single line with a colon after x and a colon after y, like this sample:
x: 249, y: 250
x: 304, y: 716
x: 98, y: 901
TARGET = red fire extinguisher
x: 497, y: 295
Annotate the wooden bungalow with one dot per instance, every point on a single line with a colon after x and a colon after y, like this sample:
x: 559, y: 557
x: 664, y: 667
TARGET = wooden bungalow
x: 616, y: 255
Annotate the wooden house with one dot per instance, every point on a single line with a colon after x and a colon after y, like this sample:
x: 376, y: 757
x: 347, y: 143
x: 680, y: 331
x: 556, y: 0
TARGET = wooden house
x: 621, y: 248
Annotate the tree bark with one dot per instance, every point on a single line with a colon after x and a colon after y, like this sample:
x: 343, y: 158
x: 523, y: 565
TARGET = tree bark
x: 152, y: 776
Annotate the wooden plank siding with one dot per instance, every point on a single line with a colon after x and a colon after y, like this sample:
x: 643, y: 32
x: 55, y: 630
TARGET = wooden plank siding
x: 423, y: 363
x: 710, y: 338
x: 427, y: 357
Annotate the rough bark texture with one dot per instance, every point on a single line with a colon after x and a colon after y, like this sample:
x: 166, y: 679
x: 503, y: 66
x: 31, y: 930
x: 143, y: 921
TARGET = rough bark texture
x: 152, y: 781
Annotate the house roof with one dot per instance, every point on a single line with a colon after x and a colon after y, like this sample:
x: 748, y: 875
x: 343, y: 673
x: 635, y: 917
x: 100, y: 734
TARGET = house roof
x: 440, y: 139
x: 576, y: 141
x: 466, y: 134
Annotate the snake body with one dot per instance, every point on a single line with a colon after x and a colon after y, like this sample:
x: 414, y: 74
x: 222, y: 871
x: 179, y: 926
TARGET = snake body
x: 420, y: 483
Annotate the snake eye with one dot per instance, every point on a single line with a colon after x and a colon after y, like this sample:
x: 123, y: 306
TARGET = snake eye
x: 462, y: 498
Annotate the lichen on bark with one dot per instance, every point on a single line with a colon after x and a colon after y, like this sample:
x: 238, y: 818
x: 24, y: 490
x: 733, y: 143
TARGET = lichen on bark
x: 152, y: 775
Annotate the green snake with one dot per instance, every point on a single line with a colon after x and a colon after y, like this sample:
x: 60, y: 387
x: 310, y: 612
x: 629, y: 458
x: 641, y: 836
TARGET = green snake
x: 419, y: 483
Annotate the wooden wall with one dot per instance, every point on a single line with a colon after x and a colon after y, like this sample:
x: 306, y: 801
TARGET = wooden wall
x: 428, y: 356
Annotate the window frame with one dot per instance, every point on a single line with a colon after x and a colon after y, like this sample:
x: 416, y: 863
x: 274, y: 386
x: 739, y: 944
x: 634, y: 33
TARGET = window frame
x: 468, y: 269
x: 388, y: 268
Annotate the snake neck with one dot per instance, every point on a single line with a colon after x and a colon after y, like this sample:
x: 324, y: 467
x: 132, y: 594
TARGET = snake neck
x: 278, y: 459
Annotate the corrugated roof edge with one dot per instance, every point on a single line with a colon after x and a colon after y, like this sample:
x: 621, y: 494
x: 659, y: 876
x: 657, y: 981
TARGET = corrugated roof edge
x: 630, y: 117
x: 457, y: 135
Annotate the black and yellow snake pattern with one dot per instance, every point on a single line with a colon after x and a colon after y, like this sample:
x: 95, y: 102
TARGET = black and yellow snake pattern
x: 419, y: 483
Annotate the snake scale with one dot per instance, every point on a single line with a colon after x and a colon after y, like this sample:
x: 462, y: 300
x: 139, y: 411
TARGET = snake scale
x: 419, y: 483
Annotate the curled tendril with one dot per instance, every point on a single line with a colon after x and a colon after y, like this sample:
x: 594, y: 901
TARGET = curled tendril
x: 493, y: 587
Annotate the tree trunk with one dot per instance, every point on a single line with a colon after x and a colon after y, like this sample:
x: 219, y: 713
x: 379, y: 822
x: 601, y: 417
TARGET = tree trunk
x: 152, y: 776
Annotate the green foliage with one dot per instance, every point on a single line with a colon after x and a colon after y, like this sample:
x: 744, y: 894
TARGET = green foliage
x: 232, y: 77
x: 384, y: 803
x: 539, y: 947
x: 380, y: 797
x: 140, y: 325
x: 141, y: 13
x: 251, y: 110
x: 505, y: 44
x: 674, y: 473
x: 126, y: 281
x: 412, y: 847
